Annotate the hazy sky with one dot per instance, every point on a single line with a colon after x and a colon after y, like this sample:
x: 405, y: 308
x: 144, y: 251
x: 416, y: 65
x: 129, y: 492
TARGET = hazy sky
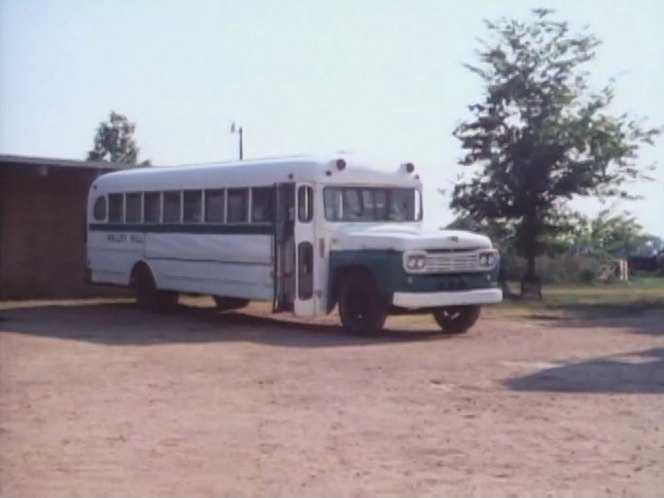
x: 379, y: 77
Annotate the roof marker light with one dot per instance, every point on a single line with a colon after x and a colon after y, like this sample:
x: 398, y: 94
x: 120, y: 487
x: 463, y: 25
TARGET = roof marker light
x: 341, y: 164
x: 410, y: 167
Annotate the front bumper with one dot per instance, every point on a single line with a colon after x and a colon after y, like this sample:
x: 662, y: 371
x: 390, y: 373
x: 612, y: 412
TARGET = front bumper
x: 416, y: 300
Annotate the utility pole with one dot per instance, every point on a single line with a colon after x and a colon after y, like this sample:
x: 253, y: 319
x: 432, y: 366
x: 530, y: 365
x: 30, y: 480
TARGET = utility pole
x: 238, y: 130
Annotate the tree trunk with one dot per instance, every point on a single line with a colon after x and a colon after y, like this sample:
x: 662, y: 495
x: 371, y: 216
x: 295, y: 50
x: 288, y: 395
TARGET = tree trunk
x: 531, y: 285
x: 531, y: 272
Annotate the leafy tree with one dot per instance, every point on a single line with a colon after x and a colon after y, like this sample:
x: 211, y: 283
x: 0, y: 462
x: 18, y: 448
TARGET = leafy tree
x: 651, y: 246
x: 114, y: 141
x: 539, y: 136
x: 617, y: 235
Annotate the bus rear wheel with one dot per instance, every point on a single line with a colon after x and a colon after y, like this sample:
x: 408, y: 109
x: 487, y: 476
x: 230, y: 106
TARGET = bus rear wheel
x: 147, y: 294
x: 229, y: 303
x: 456, y: 319
x: 361, y: 308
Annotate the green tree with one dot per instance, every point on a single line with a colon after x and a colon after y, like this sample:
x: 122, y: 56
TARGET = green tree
x: 114, y: 141
x: 616, y: 235
x: 539, y: 137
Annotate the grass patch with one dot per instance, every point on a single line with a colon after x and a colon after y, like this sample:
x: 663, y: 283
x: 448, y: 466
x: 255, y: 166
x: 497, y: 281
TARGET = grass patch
x: 638, y: 296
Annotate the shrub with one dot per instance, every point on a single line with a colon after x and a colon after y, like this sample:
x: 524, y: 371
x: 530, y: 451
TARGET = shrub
x: 564, y: 269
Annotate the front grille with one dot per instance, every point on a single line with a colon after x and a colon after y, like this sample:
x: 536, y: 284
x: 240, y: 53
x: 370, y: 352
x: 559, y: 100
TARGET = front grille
x: 452, y: 262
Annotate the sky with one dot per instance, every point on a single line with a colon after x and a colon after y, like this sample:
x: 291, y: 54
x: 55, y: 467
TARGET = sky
x: 383, y: 78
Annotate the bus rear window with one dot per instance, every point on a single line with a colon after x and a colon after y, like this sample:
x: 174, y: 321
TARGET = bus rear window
x: 99, y: 209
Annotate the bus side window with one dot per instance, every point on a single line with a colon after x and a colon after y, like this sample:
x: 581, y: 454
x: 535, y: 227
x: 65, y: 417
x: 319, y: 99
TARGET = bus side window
x: 172, y: 207
x: 193, y: 206
x: 152, y: 207
x: 261, y: 205
x: 238, y: 205
x: 215, y: 206
x: 99, y: 209
x: 134, y: 208
x: 305, y: 206
x: 115, y: 208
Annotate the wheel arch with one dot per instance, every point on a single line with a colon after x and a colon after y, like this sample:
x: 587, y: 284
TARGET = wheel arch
x: 138, y: 268
x: 340, y: 274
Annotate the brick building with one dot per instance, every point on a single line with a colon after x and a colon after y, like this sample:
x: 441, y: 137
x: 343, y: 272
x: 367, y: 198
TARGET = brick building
x: 42, y: 226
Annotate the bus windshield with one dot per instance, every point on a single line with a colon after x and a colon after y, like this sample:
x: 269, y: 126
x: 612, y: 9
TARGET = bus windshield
x: 372, y: 204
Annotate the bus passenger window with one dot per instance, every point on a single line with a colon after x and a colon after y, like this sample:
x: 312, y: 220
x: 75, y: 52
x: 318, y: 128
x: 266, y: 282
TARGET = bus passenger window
x: 305, y: 206
x: 99, y: 209
x: 172, y: 207
x: 115, y: 208
x: 134, y: 208
x: 152, y: 207
x: 238, y: 204
x: 214, y: 206
x: 261, y: 205
x: 193, y: 205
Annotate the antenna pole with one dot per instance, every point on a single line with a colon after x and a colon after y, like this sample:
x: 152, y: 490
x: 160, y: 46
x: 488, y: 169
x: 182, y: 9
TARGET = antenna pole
x: 241, y: 151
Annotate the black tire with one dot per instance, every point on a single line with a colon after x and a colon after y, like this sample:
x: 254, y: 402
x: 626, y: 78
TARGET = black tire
x: 361, y: 308
x: 229, y: 303
x: 147, y: 294
x: 456, y: 319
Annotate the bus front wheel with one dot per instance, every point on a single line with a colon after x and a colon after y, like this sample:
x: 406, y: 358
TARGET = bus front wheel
x: 456, y: 319
x: 361, y: 308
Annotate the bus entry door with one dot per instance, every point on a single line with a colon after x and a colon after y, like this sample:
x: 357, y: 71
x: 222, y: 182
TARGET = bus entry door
x: 293, y: 249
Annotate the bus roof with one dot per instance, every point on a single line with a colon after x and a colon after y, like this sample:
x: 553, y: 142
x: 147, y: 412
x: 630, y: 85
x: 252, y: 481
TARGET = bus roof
x: 339, y: 169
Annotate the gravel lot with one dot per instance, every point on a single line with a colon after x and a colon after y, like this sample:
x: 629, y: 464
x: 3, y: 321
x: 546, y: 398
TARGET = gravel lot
x: 102, y: 399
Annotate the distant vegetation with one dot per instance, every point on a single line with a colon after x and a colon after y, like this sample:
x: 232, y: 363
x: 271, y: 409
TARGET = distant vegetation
x: 114, y: 141
x: 579, y: 253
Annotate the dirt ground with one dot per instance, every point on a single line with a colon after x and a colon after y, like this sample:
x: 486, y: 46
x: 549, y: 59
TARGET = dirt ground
x: 102, y: 399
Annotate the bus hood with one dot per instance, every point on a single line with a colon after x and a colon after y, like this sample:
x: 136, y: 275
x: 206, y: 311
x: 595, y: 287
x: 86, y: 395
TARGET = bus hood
x: 404, y: 238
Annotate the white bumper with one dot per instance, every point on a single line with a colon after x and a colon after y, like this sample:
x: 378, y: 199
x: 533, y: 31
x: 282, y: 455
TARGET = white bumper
x: 455, y: 298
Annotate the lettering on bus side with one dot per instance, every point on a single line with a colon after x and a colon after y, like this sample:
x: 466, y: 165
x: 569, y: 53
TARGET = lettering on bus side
x: 134, y: 238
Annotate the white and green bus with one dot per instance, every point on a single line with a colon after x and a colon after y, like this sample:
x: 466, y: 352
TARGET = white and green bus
x: 304, y: 233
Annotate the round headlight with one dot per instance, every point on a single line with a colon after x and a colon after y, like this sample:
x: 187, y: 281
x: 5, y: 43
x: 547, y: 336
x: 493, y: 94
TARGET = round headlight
x: 411, y: 261
x: 415, y: 261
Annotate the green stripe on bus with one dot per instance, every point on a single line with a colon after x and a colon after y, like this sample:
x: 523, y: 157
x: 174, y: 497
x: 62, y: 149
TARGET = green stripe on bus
x: 194, y: 228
